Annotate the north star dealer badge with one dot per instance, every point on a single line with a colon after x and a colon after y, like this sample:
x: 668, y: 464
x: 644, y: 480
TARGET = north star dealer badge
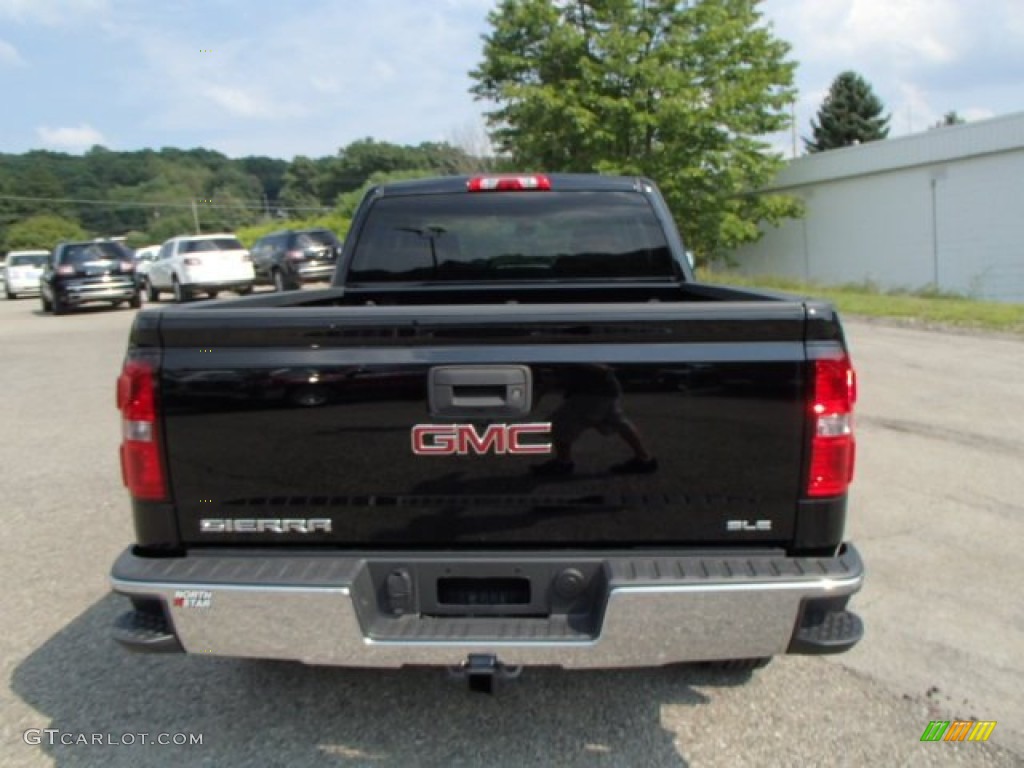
x: 192, y: 598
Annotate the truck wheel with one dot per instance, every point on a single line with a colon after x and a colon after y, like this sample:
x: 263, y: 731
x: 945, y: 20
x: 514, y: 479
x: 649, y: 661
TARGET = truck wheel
x: 10, y: 295
x: 59, y: 307
x: 279, y: 285
x: 47, y: 306
x: 244, y: 291
x: 136, y: 301
x: 152, y: 294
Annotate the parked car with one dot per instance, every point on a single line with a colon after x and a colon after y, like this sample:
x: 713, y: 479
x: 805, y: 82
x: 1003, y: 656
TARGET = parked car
x: 193, y: 264
x: 21, y: 272
x: 289, y: 258
x: 87, y: 272
x: 144, y: 258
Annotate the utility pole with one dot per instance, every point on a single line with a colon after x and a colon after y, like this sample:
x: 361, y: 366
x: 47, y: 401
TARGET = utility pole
x: 195, y: 216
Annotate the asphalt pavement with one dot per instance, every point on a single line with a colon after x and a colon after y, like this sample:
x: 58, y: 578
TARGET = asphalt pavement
x: 936, y: 513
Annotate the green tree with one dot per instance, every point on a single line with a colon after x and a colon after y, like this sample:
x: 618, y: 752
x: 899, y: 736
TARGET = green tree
x: 851, y: 114
x: 44, y: 231
x: 682, y: 93
x: 301, y: 189
x: 948, y: 119
x: 347, y: 202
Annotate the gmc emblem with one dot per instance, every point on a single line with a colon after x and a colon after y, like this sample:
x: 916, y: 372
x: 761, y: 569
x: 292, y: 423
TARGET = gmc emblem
x: 463, y: 439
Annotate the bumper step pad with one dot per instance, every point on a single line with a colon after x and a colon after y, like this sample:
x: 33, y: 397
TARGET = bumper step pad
x: 147, y: 632
x: 831, y: 632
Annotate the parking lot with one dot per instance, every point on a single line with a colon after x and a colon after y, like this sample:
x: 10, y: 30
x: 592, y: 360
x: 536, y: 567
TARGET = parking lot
x: 936, y: 512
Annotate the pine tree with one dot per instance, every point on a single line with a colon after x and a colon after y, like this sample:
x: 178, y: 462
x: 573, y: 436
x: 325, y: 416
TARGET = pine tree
x: 851, y: 114
x: 948, y: 119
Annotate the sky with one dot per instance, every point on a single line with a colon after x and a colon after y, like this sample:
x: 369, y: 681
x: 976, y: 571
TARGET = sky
x: 307, y: 77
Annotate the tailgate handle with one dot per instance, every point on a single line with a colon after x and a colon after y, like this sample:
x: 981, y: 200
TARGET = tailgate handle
x: 480, y: 391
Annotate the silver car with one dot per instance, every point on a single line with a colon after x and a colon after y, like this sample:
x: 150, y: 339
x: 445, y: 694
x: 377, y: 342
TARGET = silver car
x: 22, y: 271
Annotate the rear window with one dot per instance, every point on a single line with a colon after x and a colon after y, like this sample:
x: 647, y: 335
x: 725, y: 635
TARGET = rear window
x: 314, y: 239
x: 511, y: 236
x: 27, y: 260
x: 82, y: 253
x: 211, y: 244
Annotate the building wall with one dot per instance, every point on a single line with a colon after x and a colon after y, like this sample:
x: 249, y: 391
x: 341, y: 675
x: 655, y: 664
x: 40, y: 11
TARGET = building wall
x: 955, y: 222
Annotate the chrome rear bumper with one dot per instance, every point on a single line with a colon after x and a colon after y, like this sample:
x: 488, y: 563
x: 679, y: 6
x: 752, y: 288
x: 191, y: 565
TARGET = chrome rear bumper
x: 646, y: 611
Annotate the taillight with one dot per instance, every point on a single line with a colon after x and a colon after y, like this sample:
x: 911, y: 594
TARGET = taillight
x: 141, y: 468
x: 193, y: 261
x: 832, y: 446
x: 296, y: 255
x: 508, y: 183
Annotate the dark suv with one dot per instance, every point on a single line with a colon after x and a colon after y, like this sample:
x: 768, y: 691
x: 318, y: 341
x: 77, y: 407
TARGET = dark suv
x: 90, y: 271
x: 291, y: 257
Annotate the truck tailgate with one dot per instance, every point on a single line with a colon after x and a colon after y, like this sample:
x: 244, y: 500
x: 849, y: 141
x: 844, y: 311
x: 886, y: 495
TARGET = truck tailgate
x: 302, y: 428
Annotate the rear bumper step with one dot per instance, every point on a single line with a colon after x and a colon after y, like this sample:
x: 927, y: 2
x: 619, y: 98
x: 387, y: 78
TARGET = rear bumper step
x: 582, y: 611
x: 146, y: 631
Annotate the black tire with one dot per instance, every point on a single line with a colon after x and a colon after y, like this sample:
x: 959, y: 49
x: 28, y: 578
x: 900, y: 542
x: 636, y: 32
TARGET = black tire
x: 212, y: 294
x: 181, y: 293
x: 152, y: 294
x: 136, y: 301
x: 278, y: 278
x: 11, y: 296
x: 47, y: 307
x: 244, y: 291
x: 59, y: 307
x: 740, y: 665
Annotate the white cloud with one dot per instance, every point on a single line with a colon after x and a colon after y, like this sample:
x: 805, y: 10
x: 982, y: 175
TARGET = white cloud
x: 81, y: 136
x: 51, y: 12
x: 976, y: 113
x: 922, y: 57
x: 237, y: 101
x: 399, y: 76
x: 9, y: 55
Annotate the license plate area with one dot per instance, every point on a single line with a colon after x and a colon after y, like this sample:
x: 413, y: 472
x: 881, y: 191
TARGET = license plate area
x: 482, y: 588
x: 471, y: 593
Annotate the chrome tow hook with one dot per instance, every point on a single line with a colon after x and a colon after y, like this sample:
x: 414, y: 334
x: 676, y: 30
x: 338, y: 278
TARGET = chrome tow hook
x: 482, y: 671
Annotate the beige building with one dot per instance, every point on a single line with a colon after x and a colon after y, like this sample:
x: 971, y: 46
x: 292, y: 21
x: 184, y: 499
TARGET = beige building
x: 943, y: 208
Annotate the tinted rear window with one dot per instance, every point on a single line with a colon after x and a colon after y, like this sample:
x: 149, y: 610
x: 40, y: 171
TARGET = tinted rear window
x: 511, y: 236
x: 27, y: 260
x: 81, y: 253
x: 211, y: 244
x: 314, y: 239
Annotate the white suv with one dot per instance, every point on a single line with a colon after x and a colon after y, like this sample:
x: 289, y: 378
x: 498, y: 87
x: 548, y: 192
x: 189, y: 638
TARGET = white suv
x: 22, y: 271
x: 200, y: 264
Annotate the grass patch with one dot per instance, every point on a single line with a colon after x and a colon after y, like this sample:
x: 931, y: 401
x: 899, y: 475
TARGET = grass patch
x: 926, y: 306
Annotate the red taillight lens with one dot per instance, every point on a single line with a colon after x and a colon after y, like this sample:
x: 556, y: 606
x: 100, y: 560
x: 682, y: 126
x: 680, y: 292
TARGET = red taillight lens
x: 508, y: 183
x: 832, y: 445
x: 141, y: 467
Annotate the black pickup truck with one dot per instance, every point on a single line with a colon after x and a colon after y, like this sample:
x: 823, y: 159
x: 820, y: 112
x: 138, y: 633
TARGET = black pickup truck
x: 515, y: 431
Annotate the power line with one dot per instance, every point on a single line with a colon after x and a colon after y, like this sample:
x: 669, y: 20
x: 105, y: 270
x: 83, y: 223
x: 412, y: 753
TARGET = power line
x: 141, y: 204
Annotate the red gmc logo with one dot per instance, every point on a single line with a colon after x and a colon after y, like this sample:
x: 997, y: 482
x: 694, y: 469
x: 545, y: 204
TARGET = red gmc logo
x: 463, y: 439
